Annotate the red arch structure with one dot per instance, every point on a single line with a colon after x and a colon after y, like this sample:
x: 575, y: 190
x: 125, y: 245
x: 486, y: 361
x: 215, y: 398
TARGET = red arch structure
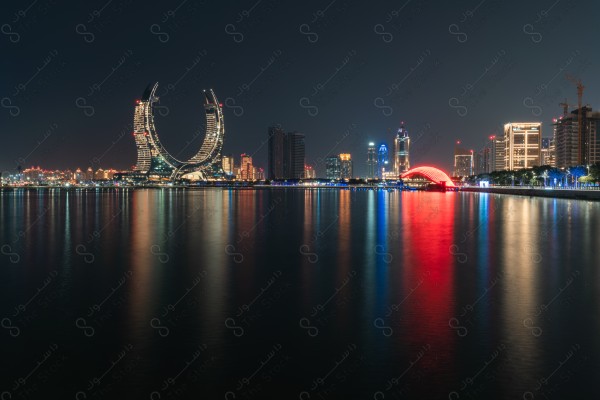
x: 433, y: 174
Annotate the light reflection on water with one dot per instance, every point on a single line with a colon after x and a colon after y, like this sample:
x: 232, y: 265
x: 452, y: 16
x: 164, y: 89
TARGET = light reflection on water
x: 483, y: 295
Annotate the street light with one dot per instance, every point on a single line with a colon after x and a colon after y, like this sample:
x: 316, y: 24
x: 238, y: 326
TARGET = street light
x: 587, y: 181
x: 545, y: 176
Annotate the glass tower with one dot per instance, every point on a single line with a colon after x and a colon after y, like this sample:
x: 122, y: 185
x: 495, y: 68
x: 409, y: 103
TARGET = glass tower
x: 401, y: 151
x: 371, y: 162
x: 383, y: 160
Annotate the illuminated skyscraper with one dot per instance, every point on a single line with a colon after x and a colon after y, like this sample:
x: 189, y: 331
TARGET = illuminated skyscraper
x: 547, y: 153
x: 522, y: 145
x: 228, y: 164
x: 246, y: 168
x: 463, y: 161
x: 383, y: 160
x: 345, y: 166
x: 372, y: 161
x: 154, y: 161
x: 463, y: 164
x: 401, y: 151
x: 333, y: 167
x: 497, y: 154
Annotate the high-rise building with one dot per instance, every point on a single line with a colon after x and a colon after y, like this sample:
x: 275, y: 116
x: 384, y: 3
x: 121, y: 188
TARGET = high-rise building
x: 552, y: 152
x: 592, y: 134
x: 497, y: 153
x: 246, y: 168
x: 228, y: 165
x: 277, y: 153
x: 401, y: 151
x: 383, y: 160
x: 286, y: 154
x: 487, y: 159
x: 547, y: 156
x: 295, y: 157
x: 482, y: 162
x: 89, y: 174
x: 478, y: 166
x: 371, y: 161
x: 463, y: 161
x: 345, y: 166
x: 333, y: 167
x: 566, y: 138
x: 522, y: 145
x: 153, y: 159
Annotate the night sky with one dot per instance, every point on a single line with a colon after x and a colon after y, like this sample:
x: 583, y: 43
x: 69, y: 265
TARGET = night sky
x: 342, y: 72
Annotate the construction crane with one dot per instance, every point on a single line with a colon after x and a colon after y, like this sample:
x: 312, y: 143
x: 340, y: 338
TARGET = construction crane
x: 580, y: 87
x: 565, y: 107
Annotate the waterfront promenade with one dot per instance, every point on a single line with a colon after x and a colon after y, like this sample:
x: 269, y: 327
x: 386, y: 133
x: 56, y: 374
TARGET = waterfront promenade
x: 559, y: 193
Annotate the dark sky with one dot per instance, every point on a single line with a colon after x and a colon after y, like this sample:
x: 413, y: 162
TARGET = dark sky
x: 342, y: 72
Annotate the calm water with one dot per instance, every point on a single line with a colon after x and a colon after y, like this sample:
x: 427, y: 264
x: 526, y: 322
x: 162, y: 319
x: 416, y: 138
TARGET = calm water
x: 297, y: 294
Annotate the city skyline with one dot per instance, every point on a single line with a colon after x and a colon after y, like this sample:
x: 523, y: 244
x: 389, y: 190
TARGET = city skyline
x: 86, y: 101
x: 287, y: 158
x: 590, y: 124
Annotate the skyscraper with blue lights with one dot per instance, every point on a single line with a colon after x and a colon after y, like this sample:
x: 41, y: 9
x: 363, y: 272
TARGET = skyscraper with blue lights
x: 382, y: 159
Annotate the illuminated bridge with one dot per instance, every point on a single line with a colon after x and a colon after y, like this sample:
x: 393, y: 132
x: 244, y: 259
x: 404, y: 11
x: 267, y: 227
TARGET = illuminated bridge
x: 432, y: 174
x: 155, y: 162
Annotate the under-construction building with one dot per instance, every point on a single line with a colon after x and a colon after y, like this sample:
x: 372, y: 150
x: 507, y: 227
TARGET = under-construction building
x: 566, y: 138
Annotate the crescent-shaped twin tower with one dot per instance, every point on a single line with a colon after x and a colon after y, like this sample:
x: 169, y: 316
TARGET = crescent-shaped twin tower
x: 155, y: 162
